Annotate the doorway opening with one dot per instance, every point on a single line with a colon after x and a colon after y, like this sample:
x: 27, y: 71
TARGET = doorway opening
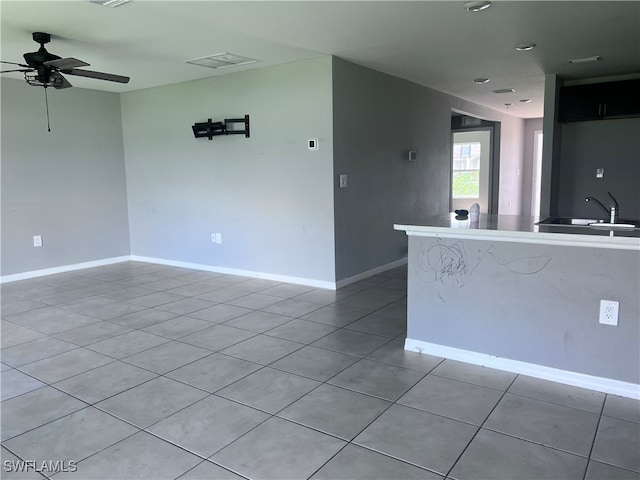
x: 474, y: 170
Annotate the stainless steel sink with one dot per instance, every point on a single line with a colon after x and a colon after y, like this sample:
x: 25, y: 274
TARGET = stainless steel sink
x: 564, y: 221
x: 618, y: 224
x: 588, y: 222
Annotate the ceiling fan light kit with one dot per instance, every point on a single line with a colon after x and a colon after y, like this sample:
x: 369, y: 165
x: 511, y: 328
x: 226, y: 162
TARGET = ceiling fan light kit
x: 44, y: 69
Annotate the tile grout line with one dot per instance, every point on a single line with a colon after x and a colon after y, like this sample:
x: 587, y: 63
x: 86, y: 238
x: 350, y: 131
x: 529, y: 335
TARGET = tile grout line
x: 480, y: 428
x: 595, y: 436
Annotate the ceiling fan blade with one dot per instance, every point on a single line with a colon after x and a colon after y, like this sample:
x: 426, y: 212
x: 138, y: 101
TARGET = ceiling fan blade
x: 98, y: 75
x: 65, y: 63
x: 19, y: 70
x: 58, y: 81
x: 14, y: 63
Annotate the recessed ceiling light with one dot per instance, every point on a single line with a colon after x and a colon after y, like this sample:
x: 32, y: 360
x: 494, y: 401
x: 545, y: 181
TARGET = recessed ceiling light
x: 481, y: 81
x: 504, y: 90
x: 222, y: 60
x: 525, y: 47
x: 525, y: 100
x: 110, y: 3
x: 477, y: 6
x: 595, y: 58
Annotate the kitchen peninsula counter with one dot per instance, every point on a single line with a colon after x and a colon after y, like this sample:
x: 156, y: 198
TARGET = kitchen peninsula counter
x: 509, y: 294
x: 517, y: 228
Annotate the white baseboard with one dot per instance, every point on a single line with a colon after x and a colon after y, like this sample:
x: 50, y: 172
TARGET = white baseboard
x: 606, y: 385
x: 209, y: 268
x: 369, y: 273
x: 65, y: 268
x: 234, y: 271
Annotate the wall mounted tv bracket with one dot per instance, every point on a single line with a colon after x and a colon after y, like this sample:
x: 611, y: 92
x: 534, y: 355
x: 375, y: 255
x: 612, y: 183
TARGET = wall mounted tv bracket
x: 211, y: 129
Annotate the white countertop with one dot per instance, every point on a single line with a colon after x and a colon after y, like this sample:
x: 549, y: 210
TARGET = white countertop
x: 522, y: 229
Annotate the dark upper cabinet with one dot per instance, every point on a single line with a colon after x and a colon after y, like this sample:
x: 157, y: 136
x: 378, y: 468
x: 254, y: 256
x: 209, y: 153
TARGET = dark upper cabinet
x: 600, y: 101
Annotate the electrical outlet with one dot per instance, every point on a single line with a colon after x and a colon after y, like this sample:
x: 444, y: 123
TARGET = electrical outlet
x: 37, y: 240
x: 216, y: 238
x: 609, y: 312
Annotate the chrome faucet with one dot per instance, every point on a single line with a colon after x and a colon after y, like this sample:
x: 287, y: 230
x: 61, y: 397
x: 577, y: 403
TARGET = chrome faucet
x: 611, y: 212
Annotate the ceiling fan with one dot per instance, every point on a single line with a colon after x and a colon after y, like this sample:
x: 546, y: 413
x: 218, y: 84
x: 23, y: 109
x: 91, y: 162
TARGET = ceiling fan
x: 44, y: 69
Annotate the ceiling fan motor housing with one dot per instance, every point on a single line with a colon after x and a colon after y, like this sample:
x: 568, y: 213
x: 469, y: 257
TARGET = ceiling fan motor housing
x: 41, y: 37
x: 36, y: 59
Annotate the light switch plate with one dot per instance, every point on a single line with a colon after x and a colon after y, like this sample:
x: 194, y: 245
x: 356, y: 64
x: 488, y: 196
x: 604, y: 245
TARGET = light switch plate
x: 600, y: 173
x: 344, y: 181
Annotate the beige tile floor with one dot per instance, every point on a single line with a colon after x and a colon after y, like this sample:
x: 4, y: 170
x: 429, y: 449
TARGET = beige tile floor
x: 136, y: 370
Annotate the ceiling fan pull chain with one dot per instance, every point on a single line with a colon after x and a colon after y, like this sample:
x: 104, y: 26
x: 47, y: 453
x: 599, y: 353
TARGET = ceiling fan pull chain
x: 46, y: 101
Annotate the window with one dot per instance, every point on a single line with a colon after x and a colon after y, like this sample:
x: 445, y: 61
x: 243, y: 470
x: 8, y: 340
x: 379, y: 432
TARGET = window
x: 466, y: 170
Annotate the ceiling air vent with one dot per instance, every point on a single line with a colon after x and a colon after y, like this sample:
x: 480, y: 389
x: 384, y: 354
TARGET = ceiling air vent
x: 471, y: 122
x: 595, y: 58
x: 222, y: 60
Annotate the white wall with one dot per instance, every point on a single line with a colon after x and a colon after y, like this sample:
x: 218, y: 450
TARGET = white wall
x: 67, y: 185
x: 268, y: 195
x: 530, y: 127
x: 511, y: 165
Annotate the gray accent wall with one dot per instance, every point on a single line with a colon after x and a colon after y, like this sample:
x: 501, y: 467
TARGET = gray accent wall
x: 551, y: 144
x: 571, y: 154
x: 67, y: 185
x: 586, y: 146
x: 533, y: 303
x: 377, y: 118
x: 268, y: 195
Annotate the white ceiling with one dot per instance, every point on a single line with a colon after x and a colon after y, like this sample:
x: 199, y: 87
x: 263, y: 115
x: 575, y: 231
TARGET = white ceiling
x: 434, y: 43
